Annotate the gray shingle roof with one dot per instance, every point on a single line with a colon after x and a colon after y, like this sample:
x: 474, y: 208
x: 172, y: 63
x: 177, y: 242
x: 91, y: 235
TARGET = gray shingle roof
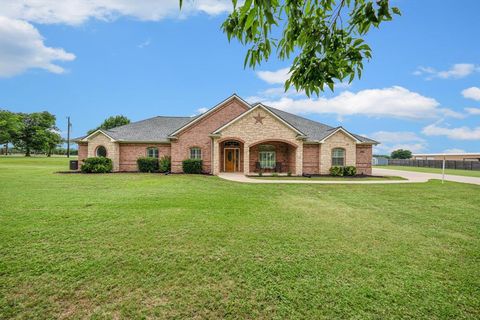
x: 153, y: 129
x: 315, y: 131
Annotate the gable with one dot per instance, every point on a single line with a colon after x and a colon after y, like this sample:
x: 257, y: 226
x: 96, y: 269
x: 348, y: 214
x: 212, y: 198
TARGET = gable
x: 340, y: 136
x: 96, y: 134
x: 216, y: 116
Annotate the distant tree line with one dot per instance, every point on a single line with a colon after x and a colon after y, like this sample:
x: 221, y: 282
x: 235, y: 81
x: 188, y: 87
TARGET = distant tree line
x: 29, y: 132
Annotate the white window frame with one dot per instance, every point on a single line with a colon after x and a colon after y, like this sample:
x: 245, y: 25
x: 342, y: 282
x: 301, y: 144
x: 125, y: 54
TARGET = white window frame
x: 155, y: 149
x: 195, y: 153
x: 96, y: 151
x: 336, y: 157
x: 267, y: 159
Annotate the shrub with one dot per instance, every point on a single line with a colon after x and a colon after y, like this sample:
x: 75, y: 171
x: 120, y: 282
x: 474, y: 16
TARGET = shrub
x: 336, y: 171
x: 147, y: 164
x: 274, y: 174
x: 165, y: 164
x: 289, y: 173
x: 192, y: 166
x: 97, y: 165
x: 349, y: 171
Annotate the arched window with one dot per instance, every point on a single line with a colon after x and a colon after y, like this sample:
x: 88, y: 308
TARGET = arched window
x: 267, y: 156
x: 152, y: 152
x: 338, y: 157
x: 101, y: 151
x: 231, y: 144
x: 195, y: 153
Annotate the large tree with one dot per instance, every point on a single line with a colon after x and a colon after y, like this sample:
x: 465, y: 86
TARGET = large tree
x: 53, y: 140
x: 35, y: 131
x: 324, y: 37
x: 401, y: 154
x: 112, y: 122
x: 10, y: 124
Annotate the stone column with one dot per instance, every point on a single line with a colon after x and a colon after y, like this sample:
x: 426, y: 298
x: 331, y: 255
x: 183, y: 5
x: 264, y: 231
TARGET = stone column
x: 246, y: 159
x: 215, y: 157
x: 299, y: 159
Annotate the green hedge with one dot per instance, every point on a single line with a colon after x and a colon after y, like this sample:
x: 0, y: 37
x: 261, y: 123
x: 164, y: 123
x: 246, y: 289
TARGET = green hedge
x: 165, y: 164
x: 146, y: 164
x: 97, y: 165
x: 192, y: 166
x: 336, y: 171
x: 349, y: 171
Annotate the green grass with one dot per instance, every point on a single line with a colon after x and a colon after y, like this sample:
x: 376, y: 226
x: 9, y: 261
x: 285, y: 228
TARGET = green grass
x: 329, y: 178
x: 468, y: 173
x: 178, y: 246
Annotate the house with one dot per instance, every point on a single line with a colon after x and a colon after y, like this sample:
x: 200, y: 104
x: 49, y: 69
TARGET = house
x: 379, y: 161
x: 447, y: 156
x: 233, y: 136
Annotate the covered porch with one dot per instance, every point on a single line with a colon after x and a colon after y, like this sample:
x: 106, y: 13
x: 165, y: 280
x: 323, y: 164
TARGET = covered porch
x: 271, y: 156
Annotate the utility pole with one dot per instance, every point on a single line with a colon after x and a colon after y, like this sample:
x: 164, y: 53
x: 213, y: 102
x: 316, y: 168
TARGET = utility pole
x: 69, y: 125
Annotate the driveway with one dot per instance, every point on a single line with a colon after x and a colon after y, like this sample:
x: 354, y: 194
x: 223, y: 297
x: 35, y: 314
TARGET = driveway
x: 423, y: 177
x: 412, y: 177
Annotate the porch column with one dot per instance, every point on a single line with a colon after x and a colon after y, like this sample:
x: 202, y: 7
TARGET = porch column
x: 299, y: 159
x: 246, y: 159
x: 215, y: 157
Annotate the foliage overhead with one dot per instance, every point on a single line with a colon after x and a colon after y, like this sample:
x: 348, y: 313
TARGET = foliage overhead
x: 401, y: 154
x: 112, y: 122
x: 324, y: 37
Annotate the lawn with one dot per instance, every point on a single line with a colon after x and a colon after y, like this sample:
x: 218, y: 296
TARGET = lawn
x: 468, y: 173
x: 178, y: 246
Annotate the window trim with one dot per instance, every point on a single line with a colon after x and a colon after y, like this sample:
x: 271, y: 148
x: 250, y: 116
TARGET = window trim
x: 273, y: 161
x: 199, y: 156
x: 344, y: 157
x: 152, y: 148
x: 96, y: 151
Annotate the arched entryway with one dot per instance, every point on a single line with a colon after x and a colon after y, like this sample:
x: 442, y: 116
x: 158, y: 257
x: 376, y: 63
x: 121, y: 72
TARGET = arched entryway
x: 231, y: 155
x: 273, y: 156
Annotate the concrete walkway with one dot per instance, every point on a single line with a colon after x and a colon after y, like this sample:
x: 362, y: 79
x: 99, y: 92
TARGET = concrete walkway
x: 412, y: 177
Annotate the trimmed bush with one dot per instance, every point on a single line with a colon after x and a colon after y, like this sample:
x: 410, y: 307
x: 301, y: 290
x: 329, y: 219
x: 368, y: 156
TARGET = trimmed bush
x: 165, y: 164
x: 147, y: 164
x: 97, y: 165
x: 192, y: 166
x: 349, y: 171
x: 336, y: 171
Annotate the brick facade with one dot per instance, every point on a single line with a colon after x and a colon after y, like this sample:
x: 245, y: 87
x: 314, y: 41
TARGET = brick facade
x: 112, y: 147
x: 364, y: 159
x: 198, y: 135
x: 82, y: 153
x: 311, y: 158
x: 130, y: 152
x: 337, y: 140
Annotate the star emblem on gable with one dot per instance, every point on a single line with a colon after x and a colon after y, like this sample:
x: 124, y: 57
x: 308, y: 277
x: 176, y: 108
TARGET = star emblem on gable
x: 258, y: 118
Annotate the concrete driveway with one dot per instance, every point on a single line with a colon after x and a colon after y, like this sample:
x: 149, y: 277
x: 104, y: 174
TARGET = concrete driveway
x: 423, y: 177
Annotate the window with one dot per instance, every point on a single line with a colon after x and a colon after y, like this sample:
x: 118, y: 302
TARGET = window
x: 152, y: 152
x: 231, y: 144
x: 101, y: 151
x: 267, y: 156
x: 338, y: 157
x: 195, y: 153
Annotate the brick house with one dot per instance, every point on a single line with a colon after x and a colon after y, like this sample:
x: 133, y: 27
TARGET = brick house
x: 233, y: 136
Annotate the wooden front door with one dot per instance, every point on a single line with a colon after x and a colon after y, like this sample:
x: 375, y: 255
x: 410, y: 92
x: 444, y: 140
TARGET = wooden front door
x: 231, y: 159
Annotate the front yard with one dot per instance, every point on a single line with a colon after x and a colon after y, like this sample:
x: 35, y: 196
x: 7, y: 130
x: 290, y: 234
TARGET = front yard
x: 467, y: 173
x: 179, y: 246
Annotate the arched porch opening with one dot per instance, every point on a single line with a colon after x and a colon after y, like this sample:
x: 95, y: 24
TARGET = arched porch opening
x: 273, y: 156
x: 231, y: 155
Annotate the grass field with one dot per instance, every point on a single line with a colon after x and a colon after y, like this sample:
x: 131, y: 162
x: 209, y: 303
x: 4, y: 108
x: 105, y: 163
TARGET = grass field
x: 468, y: 173
x: 329, y: 178
x: 178, y: 246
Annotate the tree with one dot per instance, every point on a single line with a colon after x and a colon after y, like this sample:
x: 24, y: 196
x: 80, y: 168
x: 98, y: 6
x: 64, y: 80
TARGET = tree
x: 401, y: 154
x: 35, y: 131
x: 53, y: 139
x: 325, y: 36
x: 112, y: 122
x: 9, y: 126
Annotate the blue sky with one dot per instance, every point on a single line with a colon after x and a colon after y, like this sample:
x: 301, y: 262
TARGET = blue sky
x: 91, y: 60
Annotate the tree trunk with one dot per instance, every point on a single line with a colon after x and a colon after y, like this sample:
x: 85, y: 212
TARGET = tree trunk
x: 6, y: 149
x: 27, y: 152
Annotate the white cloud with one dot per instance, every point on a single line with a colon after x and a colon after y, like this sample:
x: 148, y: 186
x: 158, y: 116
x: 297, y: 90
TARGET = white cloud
x: 454, y: 150
x: 274, y: 77
x: 394, y: 140
x: 75, y: 12
x: 396, y: 102
x: 461, y: 133
x: 202, y: 110
x: 144, y: 44
x: 22, y: 47
x: 457, y: 71
x: 472, y: 93
x: 474, y: 111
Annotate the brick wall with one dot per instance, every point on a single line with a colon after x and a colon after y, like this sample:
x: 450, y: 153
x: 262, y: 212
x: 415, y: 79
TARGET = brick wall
x: 282, y: 155
x: 364, y: 159
x: 130, y: 152
x: 198, y: 135
x: 82, y: 153
x: 311, y: 156
x: 112, y: 148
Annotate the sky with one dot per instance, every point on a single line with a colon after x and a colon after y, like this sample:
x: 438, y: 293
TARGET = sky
x: 91, y: 60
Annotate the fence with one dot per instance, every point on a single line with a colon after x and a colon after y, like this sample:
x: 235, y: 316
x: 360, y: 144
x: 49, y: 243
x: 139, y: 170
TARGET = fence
x: 449, y: 164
